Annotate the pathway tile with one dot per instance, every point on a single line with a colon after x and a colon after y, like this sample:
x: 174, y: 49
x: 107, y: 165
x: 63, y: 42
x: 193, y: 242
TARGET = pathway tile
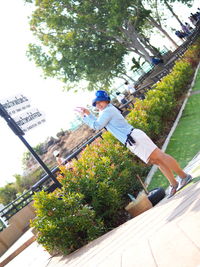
x: 139, y: 255
x: 171, y: 247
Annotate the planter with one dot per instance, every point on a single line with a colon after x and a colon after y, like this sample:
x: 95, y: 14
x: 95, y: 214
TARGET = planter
x: 139, y: 206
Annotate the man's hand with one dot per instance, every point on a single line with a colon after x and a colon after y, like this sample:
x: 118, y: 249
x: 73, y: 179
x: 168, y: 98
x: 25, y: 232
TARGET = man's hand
x: 83, y: 111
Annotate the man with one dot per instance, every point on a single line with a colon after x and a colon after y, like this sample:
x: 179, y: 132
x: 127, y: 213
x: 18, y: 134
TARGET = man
x: 134, y: 139
x: 130, y: 88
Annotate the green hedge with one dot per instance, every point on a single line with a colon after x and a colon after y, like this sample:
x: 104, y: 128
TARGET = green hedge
x: 97, y: 186
x: 152, y: 113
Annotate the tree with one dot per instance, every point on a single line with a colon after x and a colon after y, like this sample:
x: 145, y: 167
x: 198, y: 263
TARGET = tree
x: 85, y: 39
x: 7, y: 193
x: 25, y: 182
x: 167, y: 3
x: 155, y: 21
x: 137, y: 65
x: 81, y: 59
x: 25, y: 158
x: 89, y: 39
x: 173, y: 13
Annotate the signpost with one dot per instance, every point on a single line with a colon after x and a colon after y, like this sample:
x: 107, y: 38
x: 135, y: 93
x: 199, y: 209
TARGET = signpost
x: 29, y: 120
x: 23, y: 123
x: 15, y: 104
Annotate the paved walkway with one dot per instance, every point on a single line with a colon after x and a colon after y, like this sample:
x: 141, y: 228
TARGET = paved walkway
x: 166, y: 235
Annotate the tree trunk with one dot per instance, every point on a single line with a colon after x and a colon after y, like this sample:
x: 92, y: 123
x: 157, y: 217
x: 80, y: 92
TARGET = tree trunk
x: 155, y: 24
x: 157, y: 13
x: 172, y: 11
x: 131, y: 41
x: 133, y: 37
x: 132, y: 47
x: 148, y: 46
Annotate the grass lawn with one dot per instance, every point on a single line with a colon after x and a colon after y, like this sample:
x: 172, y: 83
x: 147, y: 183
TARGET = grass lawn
x: 185, y: 142
x: 197, y: 82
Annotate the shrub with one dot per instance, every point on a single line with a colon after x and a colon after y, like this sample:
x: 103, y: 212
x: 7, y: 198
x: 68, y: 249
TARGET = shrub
x: 152, y: 113
x: 192, y: 55
x: 65, y: 224
x: 104, y: 178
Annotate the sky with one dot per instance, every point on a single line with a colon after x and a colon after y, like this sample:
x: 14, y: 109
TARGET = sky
x: 19, y: 75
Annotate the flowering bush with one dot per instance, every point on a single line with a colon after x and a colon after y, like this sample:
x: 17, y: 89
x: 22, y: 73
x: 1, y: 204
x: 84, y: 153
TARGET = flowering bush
x: 104, y: 174
x: 66, y: 224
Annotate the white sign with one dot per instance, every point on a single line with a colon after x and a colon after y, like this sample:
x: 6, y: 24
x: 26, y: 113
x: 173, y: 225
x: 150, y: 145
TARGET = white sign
x: 29, y: 120
x: 15, y: 104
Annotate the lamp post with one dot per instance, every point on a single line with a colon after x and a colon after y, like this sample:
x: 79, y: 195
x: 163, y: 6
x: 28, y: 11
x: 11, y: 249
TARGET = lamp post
x: 19, y: 132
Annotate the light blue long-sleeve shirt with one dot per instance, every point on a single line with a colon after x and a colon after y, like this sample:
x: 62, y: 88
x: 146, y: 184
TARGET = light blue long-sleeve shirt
x: 112, y: 119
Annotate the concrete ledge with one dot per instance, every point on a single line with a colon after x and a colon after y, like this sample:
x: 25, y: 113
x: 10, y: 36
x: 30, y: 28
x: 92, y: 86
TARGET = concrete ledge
x: 17, y: 251
x: 9, y: 235
x: 18, y: 224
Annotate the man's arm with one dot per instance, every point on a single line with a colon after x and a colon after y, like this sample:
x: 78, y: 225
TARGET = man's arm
x: 97, y: 124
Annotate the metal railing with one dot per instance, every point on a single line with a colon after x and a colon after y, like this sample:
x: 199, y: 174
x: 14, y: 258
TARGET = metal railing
x: 16, y: 205
x: 43, y: 184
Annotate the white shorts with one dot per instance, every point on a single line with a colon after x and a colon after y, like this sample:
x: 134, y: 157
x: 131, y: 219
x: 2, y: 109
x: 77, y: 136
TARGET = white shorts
x: 143, y: 147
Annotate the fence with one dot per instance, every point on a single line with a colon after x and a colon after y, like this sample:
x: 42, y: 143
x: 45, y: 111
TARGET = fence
x: 45, y: 183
